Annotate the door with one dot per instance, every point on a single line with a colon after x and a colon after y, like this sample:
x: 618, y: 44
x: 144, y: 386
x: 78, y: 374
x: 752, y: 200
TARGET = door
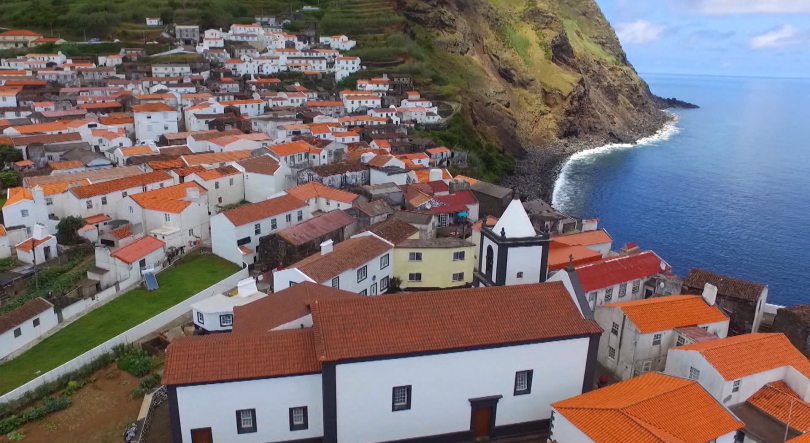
x: 482, y: 420
x: 442, y: 220
x: 47, y: 252
x: 202, y: 435
x: 373, y: 289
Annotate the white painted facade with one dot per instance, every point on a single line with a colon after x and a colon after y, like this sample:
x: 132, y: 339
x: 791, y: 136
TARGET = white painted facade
x: 597, y: 297
x: 175, y: 229
x: 107, y: 203
x: 46, y: 320
x: 151, y: 125
x: 221, y: 191
x: 260, y: 187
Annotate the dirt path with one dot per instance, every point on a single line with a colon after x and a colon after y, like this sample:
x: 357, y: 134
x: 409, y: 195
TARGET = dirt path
x: 98, y: 413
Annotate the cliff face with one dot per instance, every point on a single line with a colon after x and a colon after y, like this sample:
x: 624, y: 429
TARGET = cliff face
x: 545, y: 70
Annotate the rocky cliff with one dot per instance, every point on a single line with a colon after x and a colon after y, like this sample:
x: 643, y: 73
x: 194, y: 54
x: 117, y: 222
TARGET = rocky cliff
x: 549, y: 74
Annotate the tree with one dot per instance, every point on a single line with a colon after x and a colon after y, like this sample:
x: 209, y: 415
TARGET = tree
x: 9, y: 179
x: 10, y: 154
x: 67, y: 228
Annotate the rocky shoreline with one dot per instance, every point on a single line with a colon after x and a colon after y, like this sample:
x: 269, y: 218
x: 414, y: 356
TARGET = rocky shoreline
x: 535, y: 174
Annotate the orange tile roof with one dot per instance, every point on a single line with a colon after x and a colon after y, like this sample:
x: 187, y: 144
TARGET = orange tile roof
x: 423, y: 175
x: 137, y: 250
x: 348, y: 254
x: 183, y: 172
x: 778, y: 400
x: 559, y: 255
x: 2, y: 230
x: 119, y: 184
x: 31, y: 243
x: 19, y: 33
x: 122, y: 232
x: 60, y: 187
x: 315, y: 189
x: 152, y: 107
x: 804, y: 438
x: 41, y: 127
x: 285, y: 149
x: 263, y: 209
x: 669, y: 312
x: 213, y: 174
x: 437, y: 150
x: 116, y: 120
x: 215, y: 157
x: 136, y: 150
x: 93, y: 219
x: 208, y: 358
x: 324, y: 104
x: 589, y: 238
x: 167, y: 199
x: 69, y: 164
x: 166, y: 164
x: 743, y: 355
x: 17, y: 194
x: 361, y: 327
x: 652, y: 408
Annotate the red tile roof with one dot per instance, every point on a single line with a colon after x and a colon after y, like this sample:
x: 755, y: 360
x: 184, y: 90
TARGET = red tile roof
x: 213, y: 174
x: 25, y: 312
x: 263, y: 209
x: 122, y: 232
x: 445, y: 320
x: 615, y: 270
x: 137, y: 250
x: 119, y: 184
x: 669, y: 312
x: 152, y: 107
x: 69, y: 164
x: 652, y: 408
x: 348, y: 254
x: 93, y: 219
x: 31, y: 243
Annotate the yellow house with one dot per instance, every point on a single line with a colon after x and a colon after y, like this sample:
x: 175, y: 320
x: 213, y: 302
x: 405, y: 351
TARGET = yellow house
x: 17, y: 38
x: 437, y: 263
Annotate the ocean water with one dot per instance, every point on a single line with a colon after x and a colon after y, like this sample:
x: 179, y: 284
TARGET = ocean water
x: 725, y: 188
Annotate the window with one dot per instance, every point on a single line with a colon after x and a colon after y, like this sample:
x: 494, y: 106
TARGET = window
x: 705, y: 328
x: 520, y: 275
x: 257, y: 228
x: 300, y: 215
x: 736, y: 386
x: 362, y: 273
x: 336, y: 282
x: 17, y: 332
x: 458, y: 276
x: 656, y: 339
x: 401, y: 398
x: 681, y: 341
x: 200, y: 318
x: 646, y: 366
x: 636, y: 286
x: 131, y: 209
x: 622, y: 290
x: 230, y: 181
x: 246, y: 421
x: 299, y: 419
x: 168, y: 217
x: 226, y: 320
x: 592, y: 296
x: 414, y: 256
x: 384, y: 284
x: 694, y: 374
x: 216, y: 185
x: 289, y: 218
x: 104, y: 200
x: 523, y: 382
x: 123, y: 194
x: 48, y: 201
x: 611, y: 353
x: 89, y: 204
x: 415, y: 276
x: 615, y: 329
x: 609, y: 294
x: 458, y: 255
x: 273, y: 224
x: 36, y: 322
x: 24, y: 212
x: 384, y: 261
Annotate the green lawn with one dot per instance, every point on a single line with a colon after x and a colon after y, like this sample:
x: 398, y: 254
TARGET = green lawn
x: 192, y: 275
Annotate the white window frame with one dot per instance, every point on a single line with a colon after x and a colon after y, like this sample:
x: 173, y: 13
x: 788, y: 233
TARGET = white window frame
x: 657, y: 339
x: 735, y: 387
x: 457, y: 276
x: 414, y: 256
x: 414, y: 276
x: 362, y: 273
x: 611, y: 352
x: 694, y: 373
x: 458, y: 256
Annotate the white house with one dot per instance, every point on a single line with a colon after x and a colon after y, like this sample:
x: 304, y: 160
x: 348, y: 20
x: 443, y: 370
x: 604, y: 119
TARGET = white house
x: 25, y: 324
x: 38, y: 249
x: 127, y: 262
x: 153, y: 120
x: 639, y: 333
x: 263, y: 177
x: 651, y: 408
x: 361, y: 103
x: 5, y: 243
x: 154, y: 21
x: 362, y: 264
x: 177, y: 215
x: 24, y: 207
x: 393, y: 361
x: 235, y: 233
x: 215, y: 314
x: 225, y: 185
x: 252, y: 107
x: 105, y: 197
x: 620, y: 278
x: 122, y: 154
x: 345, y: 66
x: 324, y: 198
x: 170, y: 70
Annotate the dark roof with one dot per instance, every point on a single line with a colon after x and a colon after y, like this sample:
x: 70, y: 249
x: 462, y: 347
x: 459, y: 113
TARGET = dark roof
x: 414, y: 217
x: 348, y: 254
x: 61, y: 147
x: 316, y: 227
x: 263, y: 164
x: 338, y: 168
x: 283, y: 307
x: 726, y: 286
x: 503, y: 315
x: 374, y: 208
x: 47, y: 138
x: 20, y: 315
x: 175, y: 151
x: 393, y: 230
x: 490, y: 189
x: 441, y: 242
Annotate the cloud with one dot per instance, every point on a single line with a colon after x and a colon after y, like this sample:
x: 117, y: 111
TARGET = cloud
x: 702, y: 36
x: 786, y: 35
x: 734, y: 7
x: 639, y: 32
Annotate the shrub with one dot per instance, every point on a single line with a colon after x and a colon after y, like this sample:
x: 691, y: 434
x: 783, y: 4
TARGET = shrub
x: 9, y: 179
x: 67, y: 228
x: 138, y: 363
x: 11, y: 423
x: 49, y: 405
x: 145, y: 386
x: 15, y: 436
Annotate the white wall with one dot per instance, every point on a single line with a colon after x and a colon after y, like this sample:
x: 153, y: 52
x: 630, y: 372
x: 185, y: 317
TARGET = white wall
x: 231, y: 190
x: 160, y: 123
x: 597, y: 297
x: 443, y: 384
x: 224, y: 234
x: 9, y: 344
x: 77, y: 206
x: 347, y: 280
x: 259, y: 187
x: 215, y: 406
x: 565, y: 432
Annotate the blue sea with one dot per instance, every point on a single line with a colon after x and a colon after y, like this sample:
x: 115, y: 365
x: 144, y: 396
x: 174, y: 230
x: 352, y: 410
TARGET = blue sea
x: 725, y: 188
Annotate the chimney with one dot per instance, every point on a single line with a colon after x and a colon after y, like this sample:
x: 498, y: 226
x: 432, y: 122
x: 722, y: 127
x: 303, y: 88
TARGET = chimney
x: 366, y: 157
x: 709, y: 294
x: 40, y: 231
x: 326, y: 247
x: 458, y: 185
x: 435, y: 175
x: 38, y: 194
x: 192, y: 192
x: 246, y: 287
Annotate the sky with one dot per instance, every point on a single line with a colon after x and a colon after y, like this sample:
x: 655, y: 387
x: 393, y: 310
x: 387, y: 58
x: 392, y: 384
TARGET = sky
x: 764, y: 38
